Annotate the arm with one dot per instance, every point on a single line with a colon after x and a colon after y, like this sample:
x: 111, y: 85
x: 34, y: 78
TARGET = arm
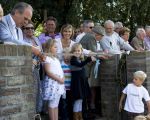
x: 148, y: 106
x: 75, y: 62
x: 51, y: 75
x: 124, y: 45
x: 121, y: 100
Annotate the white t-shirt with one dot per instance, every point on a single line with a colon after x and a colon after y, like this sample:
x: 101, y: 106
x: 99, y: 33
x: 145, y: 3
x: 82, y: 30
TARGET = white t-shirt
x: 134, y: 98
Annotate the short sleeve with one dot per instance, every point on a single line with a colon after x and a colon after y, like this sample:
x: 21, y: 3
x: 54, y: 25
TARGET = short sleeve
x: 125, y: 90
x: 146, y: 95
x: 47, y: 60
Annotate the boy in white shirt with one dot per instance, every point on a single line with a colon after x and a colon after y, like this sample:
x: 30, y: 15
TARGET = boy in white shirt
x: 135, y: 92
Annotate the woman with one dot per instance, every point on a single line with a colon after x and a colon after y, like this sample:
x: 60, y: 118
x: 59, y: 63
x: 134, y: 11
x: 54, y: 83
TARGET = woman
x: 67, y: 33
x: 29, y: 37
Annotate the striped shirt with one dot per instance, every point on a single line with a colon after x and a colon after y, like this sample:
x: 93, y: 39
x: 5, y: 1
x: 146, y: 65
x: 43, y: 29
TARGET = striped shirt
x: 67, y: 73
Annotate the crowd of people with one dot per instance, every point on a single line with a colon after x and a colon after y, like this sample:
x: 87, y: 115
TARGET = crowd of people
x: 66, y: 64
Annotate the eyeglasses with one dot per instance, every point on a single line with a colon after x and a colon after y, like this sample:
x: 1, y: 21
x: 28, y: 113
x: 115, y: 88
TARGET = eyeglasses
x: 29, y: 28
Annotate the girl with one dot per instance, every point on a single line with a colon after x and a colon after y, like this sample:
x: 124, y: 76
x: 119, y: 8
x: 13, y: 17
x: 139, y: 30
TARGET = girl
x: 54, y: 81
x: 79, y: 84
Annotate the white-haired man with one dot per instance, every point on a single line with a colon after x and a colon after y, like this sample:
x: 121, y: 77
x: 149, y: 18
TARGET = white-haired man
x: 147, y: 38
x: 138, y: 41
x: 112, y: 42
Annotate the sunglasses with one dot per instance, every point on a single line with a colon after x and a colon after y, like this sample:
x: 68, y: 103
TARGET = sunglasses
x: 29, y: 28
x: 91, y: 27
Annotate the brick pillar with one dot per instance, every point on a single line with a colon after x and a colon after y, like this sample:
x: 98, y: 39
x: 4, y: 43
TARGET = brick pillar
x: 109, y: 88
x: 17, y: 88
x: 139, y: 61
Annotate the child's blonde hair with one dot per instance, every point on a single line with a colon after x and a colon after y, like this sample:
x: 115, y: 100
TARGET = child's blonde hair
x: 140, y: 117
x: 48, y: 45
x: 66, y: 52
x: 75, y: 46
x: 140, y: 74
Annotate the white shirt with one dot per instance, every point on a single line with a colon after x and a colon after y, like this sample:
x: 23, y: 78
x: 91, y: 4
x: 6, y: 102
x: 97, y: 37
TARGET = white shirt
x: 135, y: 94
x: 14, y: 27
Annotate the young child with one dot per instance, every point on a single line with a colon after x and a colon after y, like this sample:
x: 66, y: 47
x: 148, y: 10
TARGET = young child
x: 66, y: 103
x: 135, y: 92
x: 79, y: 83
x: 54, y: 80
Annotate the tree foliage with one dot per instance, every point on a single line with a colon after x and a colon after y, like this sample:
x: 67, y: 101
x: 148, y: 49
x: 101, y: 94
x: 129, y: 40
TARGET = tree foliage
x: 131, y: 13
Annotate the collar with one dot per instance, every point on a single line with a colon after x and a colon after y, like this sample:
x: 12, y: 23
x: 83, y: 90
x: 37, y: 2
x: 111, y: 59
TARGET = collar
x: 12, y: 21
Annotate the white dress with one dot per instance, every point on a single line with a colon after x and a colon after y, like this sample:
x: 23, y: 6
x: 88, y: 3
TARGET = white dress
x: 51, y: 87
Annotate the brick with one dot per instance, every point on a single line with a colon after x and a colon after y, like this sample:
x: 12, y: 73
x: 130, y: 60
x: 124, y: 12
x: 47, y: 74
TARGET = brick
x: 10, y: 50
x: 3, y: 63
x: 9, y: 71
x: 20, y: 116
x: 24, y: 50
x: 11, y: 100
x: 30, y: 80
x: 28, y: 106
x: 26, y: 70
x: 9, y: 91
x: 16, y: 80
x: 2, y: 82
x: 28, y: 89
x: 10, y: 110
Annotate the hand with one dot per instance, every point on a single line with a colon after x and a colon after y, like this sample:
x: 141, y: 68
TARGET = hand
x: 93, y: 58
x: 105, y: 57
x: 61, y: 80
x: 42, y: 57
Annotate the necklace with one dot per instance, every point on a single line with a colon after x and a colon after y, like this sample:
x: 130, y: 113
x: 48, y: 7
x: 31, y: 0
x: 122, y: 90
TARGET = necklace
x: 65, y: 43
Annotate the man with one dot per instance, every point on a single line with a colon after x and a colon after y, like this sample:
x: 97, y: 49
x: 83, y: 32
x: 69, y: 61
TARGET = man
x: 112, y: 42
x: 51, y: 24
x: 10, y: 32
x: 1, y: 12
x: 147, y: 38
x: 90, y: 41
x: 87, y: 27
x: 138, y: 41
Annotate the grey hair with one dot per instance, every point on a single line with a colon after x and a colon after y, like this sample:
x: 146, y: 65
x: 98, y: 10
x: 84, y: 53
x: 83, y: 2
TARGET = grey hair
x: 118, y: 25
x: 86, y: 22
x: 109, y: 22
x: 21, y: 6
x: 139, y: 30
x: 140, y: 74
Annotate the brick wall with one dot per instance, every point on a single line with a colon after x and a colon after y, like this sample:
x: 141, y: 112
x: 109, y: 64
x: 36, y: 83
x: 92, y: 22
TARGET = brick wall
x: 17, y: 88
x: 111, y: 90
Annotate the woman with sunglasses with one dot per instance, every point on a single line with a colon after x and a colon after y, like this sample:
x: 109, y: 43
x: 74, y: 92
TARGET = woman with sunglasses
x: 28, y: 32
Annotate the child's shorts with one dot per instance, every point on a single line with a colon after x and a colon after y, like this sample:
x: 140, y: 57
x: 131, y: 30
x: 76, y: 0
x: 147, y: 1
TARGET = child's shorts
x: 55, y: 102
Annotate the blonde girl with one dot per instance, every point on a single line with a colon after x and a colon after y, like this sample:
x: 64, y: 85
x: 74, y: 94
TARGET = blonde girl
x: 54, y: 80
x: 79, y: 84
